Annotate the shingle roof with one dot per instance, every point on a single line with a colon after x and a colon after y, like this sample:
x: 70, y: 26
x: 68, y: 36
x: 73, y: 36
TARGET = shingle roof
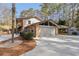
x: 28, y: 18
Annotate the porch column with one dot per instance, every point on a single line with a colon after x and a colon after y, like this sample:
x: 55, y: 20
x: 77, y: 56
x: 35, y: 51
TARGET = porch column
x: 56, y: 31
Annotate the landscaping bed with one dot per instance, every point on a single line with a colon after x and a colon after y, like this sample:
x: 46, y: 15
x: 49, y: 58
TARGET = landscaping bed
x: 18, y: 49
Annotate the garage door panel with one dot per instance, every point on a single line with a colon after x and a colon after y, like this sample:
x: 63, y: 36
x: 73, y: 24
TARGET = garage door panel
x: 47, y: 31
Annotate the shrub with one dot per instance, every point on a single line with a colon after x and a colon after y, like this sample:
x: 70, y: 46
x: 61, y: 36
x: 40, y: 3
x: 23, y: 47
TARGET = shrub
x: 74, y: 33
x: 27, y: 35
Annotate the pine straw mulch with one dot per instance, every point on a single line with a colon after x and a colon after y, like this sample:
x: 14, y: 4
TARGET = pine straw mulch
x: 25, y: 46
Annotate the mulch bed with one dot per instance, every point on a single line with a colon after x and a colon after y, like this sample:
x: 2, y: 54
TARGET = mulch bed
x: 25, y: 46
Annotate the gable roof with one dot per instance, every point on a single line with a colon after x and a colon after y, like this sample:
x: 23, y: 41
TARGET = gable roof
x: 51, y: 22
x: 41, y: 21
x: 28, y: 18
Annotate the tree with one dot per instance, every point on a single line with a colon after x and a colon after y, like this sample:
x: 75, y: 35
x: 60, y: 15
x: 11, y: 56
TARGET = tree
x: 77, y: 19
x: 48, y: 9
x: 62, y: 22
x: 45, y: 10
x: 5, y: 14
x: 13, y: 19
x: 27, y: 13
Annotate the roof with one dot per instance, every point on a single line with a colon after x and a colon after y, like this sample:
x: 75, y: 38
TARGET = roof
x: 44, y: 21
x: 51, y: 22
x: 22, y: 18
x: 41, y: 21
x: 32, y: 24
x: 63, y: 26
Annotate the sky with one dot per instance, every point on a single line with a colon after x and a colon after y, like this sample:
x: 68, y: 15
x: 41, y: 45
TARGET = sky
x: 24, y: 6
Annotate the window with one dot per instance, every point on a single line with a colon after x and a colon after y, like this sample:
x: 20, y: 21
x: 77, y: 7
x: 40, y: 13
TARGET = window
x: 29, y: 22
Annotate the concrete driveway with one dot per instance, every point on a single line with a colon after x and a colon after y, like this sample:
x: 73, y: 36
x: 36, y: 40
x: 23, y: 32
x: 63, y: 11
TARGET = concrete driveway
x: 56, y: 46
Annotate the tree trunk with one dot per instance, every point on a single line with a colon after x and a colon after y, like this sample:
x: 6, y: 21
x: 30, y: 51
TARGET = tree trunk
x: 13, y: 19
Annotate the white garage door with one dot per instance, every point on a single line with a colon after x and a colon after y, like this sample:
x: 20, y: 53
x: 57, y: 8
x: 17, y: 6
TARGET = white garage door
x: 47, y: 31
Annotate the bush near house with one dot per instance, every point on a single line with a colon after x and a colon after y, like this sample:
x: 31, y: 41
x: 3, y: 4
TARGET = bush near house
x: 27, y: 35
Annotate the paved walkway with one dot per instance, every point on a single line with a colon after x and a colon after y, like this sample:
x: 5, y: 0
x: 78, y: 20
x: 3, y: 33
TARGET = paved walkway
x: 62, y: 46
